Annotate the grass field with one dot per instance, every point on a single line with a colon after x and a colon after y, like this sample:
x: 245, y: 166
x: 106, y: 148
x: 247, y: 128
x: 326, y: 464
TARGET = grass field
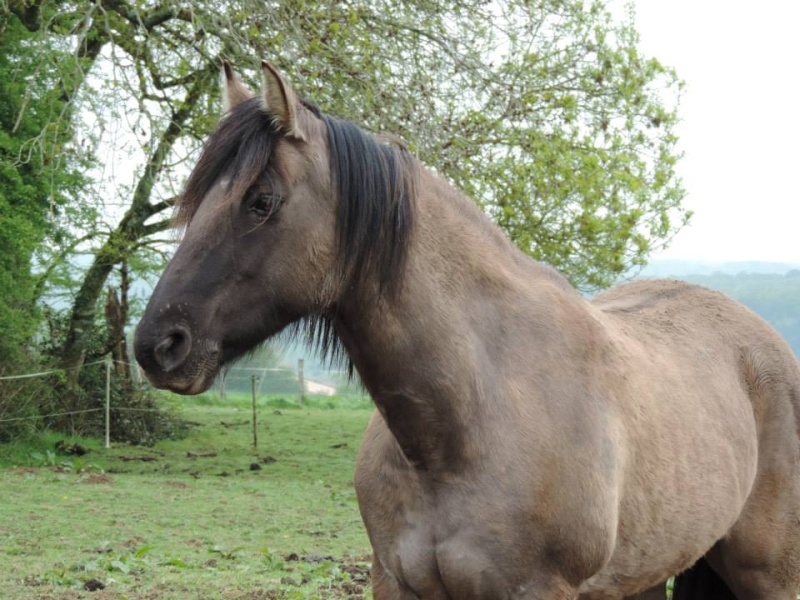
x: 148, y: 523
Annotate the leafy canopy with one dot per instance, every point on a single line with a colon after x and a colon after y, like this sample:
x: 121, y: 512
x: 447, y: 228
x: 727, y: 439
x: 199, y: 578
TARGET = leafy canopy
x: 542, y: 111
x: 38, y: 176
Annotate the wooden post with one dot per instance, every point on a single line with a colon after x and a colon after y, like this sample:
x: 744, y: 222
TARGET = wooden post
x: 255, y: 431
x: 301, y: 382
x: 108, y: 402
x: 222, y: 385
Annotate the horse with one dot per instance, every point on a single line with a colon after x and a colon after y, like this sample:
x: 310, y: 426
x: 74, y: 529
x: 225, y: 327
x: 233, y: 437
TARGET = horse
x: 528, y: 442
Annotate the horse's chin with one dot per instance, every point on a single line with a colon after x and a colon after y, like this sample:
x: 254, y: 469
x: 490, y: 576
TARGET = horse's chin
x: 198, y: 386
x: 184, y: 387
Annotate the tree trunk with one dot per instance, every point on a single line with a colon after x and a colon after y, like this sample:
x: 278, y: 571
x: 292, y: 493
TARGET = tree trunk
x: 116, y: 318
x: 116, y: 249
x: 129, y: 232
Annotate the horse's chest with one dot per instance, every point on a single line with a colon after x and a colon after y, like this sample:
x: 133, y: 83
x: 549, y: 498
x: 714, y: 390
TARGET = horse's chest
x: 486, y: 532
x: 478, y: 542
x: 457, y: 564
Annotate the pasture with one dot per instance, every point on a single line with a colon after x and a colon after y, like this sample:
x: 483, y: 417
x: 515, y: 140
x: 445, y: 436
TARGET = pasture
x: 189, y: 519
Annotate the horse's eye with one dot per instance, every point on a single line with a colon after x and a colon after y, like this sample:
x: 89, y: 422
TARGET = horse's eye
x: 265, y: 205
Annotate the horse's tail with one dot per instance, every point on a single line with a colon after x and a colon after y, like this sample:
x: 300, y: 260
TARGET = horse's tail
x: 700, y: 582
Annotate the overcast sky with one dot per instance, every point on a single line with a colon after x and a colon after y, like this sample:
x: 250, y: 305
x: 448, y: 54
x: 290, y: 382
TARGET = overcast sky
x: 740, y: 126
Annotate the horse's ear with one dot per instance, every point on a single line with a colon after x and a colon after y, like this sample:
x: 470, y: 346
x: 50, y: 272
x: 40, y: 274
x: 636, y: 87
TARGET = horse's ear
x: 280, y: 101
x: 233, y: 90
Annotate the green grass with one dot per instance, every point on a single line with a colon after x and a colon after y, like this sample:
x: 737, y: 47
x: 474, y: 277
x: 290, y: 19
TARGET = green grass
x: 180, y: 527
x: 288, y: 401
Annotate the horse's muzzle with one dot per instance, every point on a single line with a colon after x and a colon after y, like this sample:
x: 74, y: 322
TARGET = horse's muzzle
x: 172, y: 359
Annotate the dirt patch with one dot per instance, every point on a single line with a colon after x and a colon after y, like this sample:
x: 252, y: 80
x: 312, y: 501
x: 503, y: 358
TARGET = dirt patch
x: 22, y: 471
x: 134, y: 542
x: 96, y: 478
x: 359, y: 581
x: 93, y: 585
x: 210, y: 454
x: 177, y: 484
x: 140, y: 457
x: 352, y: 585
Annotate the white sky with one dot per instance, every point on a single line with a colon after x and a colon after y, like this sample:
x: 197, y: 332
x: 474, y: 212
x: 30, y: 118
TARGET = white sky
x: 740, y: 128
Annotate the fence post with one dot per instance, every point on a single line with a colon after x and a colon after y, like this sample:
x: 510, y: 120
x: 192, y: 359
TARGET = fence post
x: 222, y: 394
x: 108, y: 402
x: 255, y: 431
x: 301, y: 382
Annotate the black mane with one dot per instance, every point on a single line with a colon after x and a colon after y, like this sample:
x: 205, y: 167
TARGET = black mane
x: 374, y: 186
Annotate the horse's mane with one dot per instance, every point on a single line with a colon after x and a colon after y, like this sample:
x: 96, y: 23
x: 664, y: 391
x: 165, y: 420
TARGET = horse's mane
x: 374, y: 183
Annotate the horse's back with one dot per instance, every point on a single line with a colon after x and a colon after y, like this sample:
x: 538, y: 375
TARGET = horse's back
x: 708, y: 336
x: 670, y: 309
x: 717, y: 393
x: 703, y: 331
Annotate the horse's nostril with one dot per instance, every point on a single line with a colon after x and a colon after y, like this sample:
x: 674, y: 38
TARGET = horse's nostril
x: 173, y: 349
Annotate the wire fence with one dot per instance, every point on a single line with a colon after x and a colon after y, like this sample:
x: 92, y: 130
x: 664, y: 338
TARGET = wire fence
x: 79, y: 412
x: 50, y: 372
x: 281, y: 380
x: 252, y: 377
x: 107, y: 409
x: 236, y: 378
x: 61, y: 414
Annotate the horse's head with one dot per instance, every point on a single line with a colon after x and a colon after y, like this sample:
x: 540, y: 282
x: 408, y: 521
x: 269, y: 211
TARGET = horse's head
x: 279, y: 216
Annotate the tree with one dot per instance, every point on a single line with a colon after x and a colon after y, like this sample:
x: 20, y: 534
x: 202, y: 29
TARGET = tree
x: 39, y: 173
x: 544, y: 112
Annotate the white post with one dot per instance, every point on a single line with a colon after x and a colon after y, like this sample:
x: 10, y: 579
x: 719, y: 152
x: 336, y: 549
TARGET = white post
x: 108, y: 403
x: 301, y: 381
x: 222, y: 395
x: 255, y: 430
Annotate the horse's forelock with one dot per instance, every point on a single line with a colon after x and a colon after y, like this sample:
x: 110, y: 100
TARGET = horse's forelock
x: 240, y: 148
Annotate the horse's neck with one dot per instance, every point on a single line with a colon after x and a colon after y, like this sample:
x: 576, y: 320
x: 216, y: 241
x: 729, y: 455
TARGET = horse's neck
x: 429, y: 357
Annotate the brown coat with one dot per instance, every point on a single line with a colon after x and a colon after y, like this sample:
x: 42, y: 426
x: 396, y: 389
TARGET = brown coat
x: 528, y: 443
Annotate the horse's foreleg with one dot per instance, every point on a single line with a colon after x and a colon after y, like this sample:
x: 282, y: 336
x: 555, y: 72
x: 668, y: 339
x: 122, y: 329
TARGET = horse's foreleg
x: 545, y: 587
x: 658, y: 592
x: 386, y: 587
